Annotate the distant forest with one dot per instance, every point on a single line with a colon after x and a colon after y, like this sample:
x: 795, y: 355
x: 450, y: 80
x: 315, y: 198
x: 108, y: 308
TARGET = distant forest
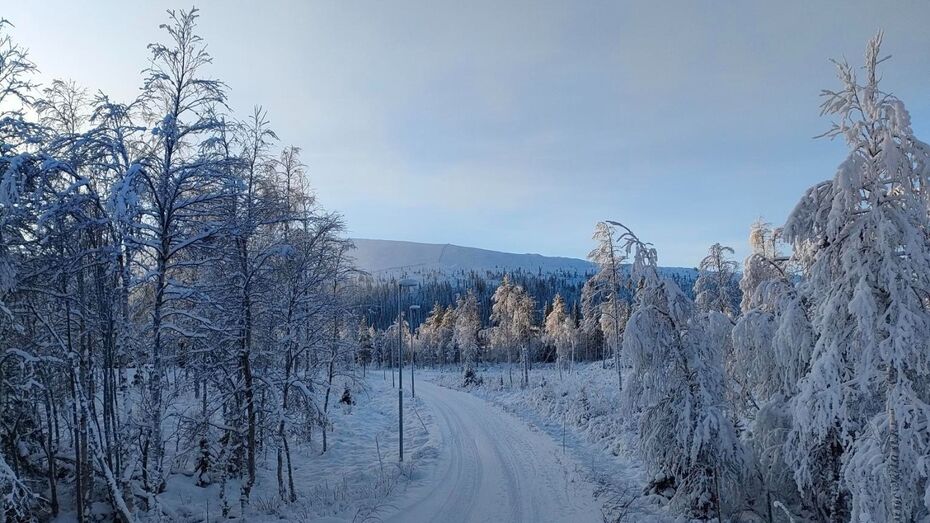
x: 376, y: 298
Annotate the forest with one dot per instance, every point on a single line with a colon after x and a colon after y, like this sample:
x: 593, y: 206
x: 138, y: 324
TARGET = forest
x: 176, y: 306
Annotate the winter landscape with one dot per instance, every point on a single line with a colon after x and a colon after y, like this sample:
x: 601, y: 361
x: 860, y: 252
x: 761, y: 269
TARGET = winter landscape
x: 232, y: 285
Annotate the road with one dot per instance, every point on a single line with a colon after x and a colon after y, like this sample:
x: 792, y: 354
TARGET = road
x: 493, y: 468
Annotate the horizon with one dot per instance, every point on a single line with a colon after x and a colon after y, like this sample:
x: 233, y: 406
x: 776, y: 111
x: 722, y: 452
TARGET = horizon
x: 518, y: 127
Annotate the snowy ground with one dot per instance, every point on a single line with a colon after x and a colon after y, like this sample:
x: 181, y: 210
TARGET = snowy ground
x: 347, y: 483
x: 555, y: 451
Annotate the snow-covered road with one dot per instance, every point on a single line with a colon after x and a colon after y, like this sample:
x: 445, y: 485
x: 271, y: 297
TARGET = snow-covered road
x: 493, y: 468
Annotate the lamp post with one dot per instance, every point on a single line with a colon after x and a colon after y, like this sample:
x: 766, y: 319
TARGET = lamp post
x: 413, y: 355
x: 401, y: 285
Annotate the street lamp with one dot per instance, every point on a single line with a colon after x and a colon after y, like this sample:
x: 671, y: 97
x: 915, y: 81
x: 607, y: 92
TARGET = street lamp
x: 413, y: 355
x: 401, y: 285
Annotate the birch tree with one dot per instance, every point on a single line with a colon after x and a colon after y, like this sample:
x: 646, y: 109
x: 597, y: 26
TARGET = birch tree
x: 182, y: 182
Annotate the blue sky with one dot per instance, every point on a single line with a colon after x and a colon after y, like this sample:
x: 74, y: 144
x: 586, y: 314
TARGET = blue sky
x: 516, y: 126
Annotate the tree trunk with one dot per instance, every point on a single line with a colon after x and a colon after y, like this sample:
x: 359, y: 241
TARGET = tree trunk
x: 154, y: 437
x: 894, y: 456
x: 50, y: 451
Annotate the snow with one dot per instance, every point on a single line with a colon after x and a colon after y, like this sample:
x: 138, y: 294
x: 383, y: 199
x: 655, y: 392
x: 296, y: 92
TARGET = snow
x: 347, y: 483
x: 579, y: 414
x: 487, y: 454
x: 493, y: 467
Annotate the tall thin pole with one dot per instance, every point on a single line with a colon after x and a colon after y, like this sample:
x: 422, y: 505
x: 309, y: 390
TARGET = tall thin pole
x: 400, y: 376
x: 413, y: 360
x: 413, y: 355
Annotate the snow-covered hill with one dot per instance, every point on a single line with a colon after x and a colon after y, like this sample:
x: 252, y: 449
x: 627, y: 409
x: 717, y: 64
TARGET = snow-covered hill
x: 388, y: 257
x: 383, y: 257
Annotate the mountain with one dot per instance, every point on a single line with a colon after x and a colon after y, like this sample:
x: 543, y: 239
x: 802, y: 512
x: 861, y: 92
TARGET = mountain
x: 386, y: 257
x: 445, y: 272
x: 391, y: 257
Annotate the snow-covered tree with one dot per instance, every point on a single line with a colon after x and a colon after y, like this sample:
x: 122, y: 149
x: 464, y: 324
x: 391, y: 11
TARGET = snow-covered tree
x: 613, y: 313
x: 609, y: 258
x: 430, y: 333
x: 512, y: 312
x: 716, y: 286
x: 771, y: 343
x: 676, y: 387
x: 465, y: 335
x: 501, y: 335
x: 447, y: 346
x: 183, y: 181
x: 764, y: 263
x: 590, y: 335
x: 860, y: 435
x: 365, y: 340
x: 559, y: 331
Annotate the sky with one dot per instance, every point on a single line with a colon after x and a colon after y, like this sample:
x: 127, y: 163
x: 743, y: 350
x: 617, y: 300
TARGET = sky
x: 516, y: 126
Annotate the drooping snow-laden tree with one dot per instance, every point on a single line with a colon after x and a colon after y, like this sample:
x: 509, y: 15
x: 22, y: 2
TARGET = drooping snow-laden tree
x: 450, y: 353
x: 771, y: 344
x: 522, y: 325
x: 676, y: 389
x: 860, y: 435
x: 612, y: 314
x: 716, y: 286
x: 772, y: 339
x: 609, y: 281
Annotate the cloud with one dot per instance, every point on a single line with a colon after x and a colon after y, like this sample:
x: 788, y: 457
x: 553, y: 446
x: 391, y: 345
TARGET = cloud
x: 517, y: 125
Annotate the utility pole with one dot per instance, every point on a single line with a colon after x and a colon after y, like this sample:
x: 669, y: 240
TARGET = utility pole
x: 406, y: 282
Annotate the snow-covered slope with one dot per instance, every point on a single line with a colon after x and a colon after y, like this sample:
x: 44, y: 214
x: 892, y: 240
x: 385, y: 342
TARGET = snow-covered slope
x: 389, y: 257
x: 381, y: 257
